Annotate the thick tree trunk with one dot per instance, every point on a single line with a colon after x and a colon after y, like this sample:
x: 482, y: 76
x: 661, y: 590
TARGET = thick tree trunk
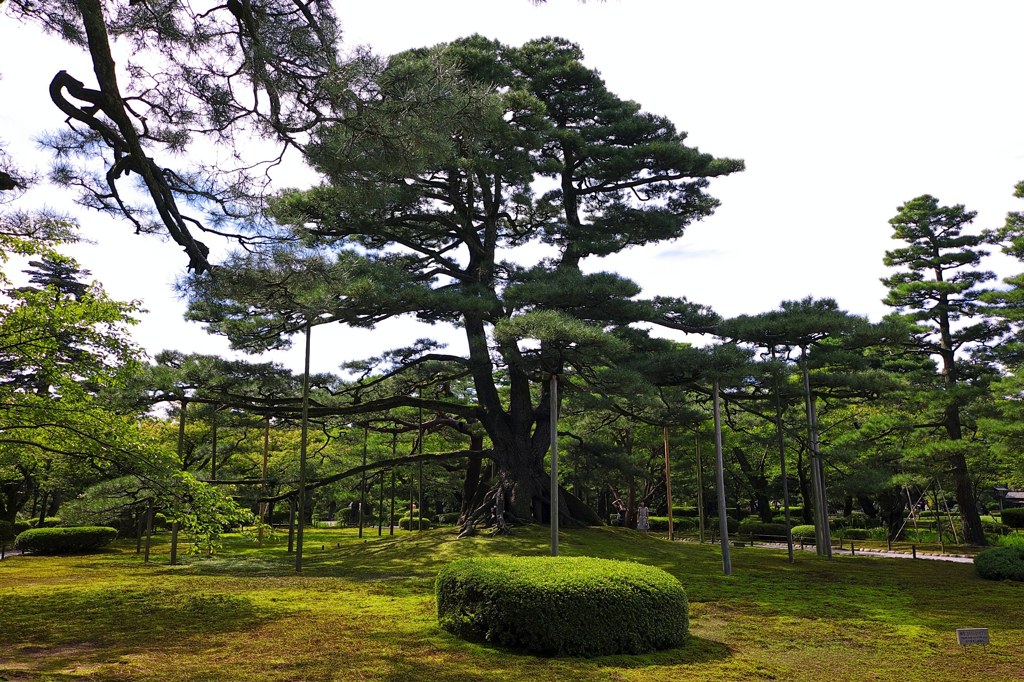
x: 868, y: 505
x: 893, y: 505
x: 758, y: 483
x: 42, y: 509
x: 519, y: 429
x: 523, y: 491
x: 473, y: 484
x: 974, y: 532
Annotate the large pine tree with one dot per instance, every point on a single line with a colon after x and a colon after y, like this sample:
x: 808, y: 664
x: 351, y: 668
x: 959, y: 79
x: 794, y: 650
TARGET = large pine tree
x: 938, y: 287
x: 532, y: 152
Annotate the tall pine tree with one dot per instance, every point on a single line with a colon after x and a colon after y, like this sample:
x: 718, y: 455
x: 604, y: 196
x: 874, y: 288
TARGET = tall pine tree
x: 938, y: 287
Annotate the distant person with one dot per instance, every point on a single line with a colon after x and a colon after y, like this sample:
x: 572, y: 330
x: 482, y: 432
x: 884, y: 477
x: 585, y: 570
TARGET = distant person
x: 620, y: 512
x: 643, y: 523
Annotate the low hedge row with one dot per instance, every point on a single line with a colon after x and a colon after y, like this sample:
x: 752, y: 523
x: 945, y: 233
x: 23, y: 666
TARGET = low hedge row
x: 760, y: 529
x: 690, y: 512
x: 854, y: 520
x: 995, y: 528
x: 805, y: 533
x: 711, y: 524
x: 64, y: 540
x: 1001, y: 563
x: 1014, y: 517
x: 447, y: 518
x: 855, y: 533
x: 570, y: 606
x: 415, y: 523
x: 680, y: 524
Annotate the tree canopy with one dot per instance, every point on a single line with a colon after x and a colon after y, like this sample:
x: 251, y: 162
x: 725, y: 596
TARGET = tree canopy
x: 489, y: 225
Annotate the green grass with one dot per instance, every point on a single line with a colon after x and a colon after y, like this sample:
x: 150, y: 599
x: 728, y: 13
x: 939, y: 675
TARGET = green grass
x: 364, y: 609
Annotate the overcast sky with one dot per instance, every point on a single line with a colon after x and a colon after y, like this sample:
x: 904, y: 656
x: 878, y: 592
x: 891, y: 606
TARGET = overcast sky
x: 841, y: 110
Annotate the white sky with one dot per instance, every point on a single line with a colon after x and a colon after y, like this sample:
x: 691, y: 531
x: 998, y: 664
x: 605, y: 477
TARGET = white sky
x: 841, y: 110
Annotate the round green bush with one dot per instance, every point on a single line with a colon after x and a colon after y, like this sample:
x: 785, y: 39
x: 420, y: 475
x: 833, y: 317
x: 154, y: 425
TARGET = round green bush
x: 6, y: 531
x: 447, y: 519
x: 414, y: 523
x: 48, y: 522
x: 1001, y: 563
x: 569, y: 606
x: 64, y: 540
x: 1014, y: 517
x: 805, y: 532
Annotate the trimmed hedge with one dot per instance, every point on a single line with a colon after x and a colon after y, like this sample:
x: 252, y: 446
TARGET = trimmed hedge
x: 447, y: 518
x: 855, y: 533
x: 759, y: 529
x: 995, y: 528
x: 414, y: 523
x: 683, y: 524
x: 1001, y: 563
x: 711, y: 524
x: 854, y: 520
x: 1014, y: 517
x: 568, y: 606
x: 805, y: 532
x: 64, y: 540
x: 680, y: 524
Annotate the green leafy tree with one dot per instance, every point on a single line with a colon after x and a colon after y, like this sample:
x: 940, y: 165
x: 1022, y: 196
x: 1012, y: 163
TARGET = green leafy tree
x: 938, y: 287
x: 65, y: 356
x: 188, y: 77
x: 434, y: 236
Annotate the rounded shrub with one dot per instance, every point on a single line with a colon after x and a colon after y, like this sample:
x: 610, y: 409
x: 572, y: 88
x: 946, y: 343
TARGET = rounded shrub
x: 569, y: 606
x: 1001, y: 563
x: 20, y: 526
x: 838, y: 523
x: 48, y: 522
x: 1014, y: 517
x: 6, y: 531
x: 414, y: 523
x: 804, y: 532
x: 64, y: 540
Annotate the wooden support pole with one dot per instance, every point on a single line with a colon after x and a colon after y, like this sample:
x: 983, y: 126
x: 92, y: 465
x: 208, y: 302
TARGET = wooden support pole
x: 723, y: 524
x: 668, y: 483
x: 301, y: 501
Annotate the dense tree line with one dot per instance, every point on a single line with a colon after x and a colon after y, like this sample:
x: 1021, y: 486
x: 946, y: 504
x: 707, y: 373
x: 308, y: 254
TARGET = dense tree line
x: 472, y: 184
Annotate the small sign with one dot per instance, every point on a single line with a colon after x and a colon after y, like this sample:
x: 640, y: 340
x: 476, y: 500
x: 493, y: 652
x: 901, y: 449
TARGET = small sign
x: 965, y: 636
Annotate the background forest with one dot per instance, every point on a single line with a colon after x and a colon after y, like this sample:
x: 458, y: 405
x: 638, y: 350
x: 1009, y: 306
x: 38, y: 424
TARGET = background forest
x: 476, y: 186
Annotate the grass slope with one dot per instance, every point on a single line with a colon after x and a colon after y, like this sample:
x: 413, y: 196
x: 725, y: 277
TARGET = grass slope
x: 364, y: 609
